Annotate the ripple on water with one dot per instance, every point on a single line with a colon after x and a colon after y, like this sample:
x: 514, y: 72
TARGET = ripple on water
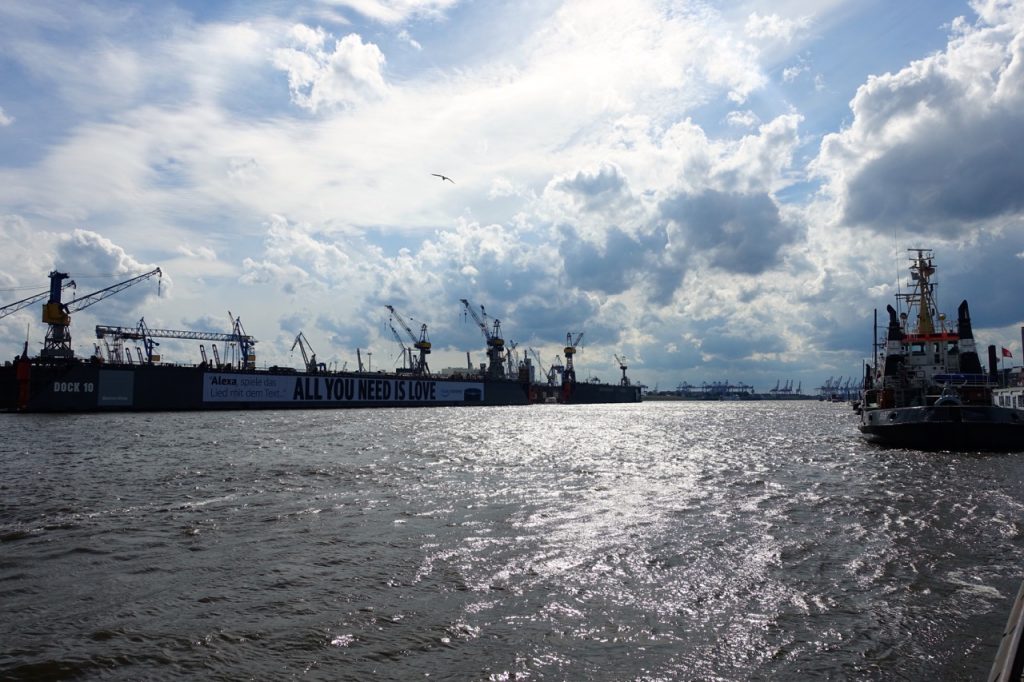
x: 661, y: 540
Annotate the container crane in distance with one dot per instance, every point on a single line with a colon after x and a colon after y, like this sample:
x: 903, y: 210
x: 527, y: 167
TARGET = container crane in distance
x: 422, y: 343
x: 495, y: 344
x: 12, y: 308
x: 57, y: 314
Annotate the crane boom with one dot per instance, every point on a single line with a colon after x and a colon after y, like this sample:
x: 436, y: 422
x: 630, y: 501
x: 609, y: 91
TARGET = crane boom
x: 12, y: 308
x: 406, y: 353
x: 308, y: 354
x: 97, y: 296
x: 622, y: 365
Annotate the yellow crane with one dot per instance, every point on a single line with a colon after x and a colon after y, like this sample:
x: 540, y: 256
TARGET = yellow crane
x: 571, y: 344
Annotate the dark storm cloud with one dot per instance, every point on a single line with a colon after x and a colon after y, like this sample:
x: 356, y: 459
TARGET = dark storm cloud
x: 739, y: 233
x: 947, y: 175
x: 609, y: 268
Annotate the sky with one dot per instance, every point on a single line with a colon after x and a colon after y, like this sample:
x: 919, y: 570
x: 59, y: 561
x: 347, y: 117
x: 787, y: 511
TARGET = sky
x: 711, y: 190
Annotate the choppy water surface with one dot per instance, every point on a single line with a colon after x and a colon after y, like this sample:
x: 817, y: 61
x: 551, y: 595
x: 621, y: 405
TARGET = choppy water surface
x: 659, y: 541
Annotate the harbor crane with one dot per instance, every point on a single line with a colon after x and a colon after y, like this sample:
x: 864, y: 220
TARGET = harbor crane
x: 422, y: 343
x: 495, y: 344
x: 571, y: 344
x: 549, y: 374
x: 624, y: 381
x: 142, y: 332
x: 405, y: 353
x: 308, y: 355
x: 57, y: 314
x: 12, y: 308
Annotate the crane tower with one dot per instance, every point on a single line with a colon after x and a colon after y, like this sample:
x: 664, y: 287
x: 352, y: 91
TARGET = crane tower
x: 422, y: 343
x: 571, y: 343
x: 495, y: 344
x: 57, y: 314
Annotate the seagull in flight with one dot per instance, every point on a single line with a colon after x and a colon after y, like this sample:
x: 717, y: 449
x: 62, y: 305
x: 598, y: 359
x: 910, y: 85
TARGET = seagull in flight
x: 443, y: 177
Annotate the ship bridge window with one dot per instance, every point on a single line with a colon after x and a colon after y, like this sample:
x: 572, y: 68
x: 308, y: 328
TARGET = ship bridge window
x: 917, y: 349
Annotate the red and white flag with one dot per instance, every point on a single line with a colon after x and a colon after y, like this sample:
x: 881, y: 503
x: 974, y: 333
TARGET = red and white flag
x: 1007, y: 353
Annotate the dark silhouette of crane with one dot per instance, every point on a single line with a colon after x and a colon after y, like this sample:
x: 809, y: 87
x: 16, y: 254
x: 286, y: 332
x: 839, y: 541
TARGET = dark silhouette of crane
x: 57, y: 314
x: 495, y: 344
x: 142, y: 332
x: 422, y: 343
x: 308, y: 354
x: 624, y: 381
x: 571, y: 344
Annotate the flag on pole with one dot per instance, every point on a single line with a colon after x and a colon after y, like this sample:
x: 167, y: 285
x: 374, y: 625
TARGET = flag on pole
x: 1007, y: 353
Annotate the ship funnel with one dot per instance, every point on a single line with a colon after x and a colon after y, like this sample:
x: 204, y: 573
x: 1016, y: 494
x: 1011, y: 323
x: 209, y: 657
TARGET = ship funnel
x: 893, y: 344
x: 969, y: 361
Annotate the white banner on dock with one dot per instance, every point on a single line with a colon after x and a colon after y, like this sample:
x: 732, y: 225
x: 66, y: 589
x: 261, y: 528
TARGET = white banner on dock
x: 287, y: 388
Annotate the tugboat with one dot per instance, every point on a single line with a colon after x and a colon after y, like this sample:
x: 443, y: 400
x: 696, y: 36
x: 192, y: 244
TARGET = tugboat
x: 927, y: 390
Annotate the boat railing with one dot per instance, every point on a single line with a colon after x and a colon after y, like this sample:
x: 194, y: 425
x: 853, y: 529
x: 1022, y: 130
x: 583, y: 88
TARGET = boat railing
x: 959, y: 380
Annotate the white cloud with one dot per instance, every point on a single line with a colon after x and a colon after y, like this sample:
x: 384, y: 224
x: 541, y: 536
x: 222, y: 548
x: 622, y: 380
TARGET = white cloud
x: 319, y: 77
x: 394, y: 11
x: 791, y: 73
x: 198, y: 252
x: 406, y: 38
x: 774, y: 27
x: 5, y: 120
x: 742, y: 119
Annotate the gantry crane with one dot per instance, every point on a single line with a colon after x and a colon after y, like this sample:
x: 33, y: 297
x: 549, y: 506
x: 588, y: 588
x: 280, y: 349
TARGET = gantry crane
x: 571, y: 343
x: 308, y: 355
x: 495, y: 344
x: 624, y: 381
x: 422, y: 344
x: 57, y: 314
x: 142, y: 332
x: 12, y: 308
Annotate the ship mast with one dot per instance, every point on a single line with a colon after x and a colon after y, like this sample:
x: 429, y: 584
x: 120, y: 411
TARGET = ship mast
x: 920, y: 299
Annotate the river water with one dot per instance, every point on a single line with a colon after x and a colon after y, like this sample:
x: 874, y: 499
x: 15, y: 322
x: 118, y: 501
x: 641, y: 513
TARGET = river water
x: 658, y: 541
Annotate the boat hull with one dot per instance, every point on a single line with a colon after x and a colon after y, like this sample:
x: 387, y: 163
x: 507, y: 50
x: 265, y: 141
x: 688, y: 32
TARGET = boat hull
x: 94, y: 387
x: 946, y: 427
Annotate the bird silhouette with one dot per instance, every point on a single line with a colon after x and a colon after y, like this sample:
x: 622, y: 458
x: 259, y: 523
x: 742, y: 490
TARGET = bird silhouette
x: 443, y: 177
